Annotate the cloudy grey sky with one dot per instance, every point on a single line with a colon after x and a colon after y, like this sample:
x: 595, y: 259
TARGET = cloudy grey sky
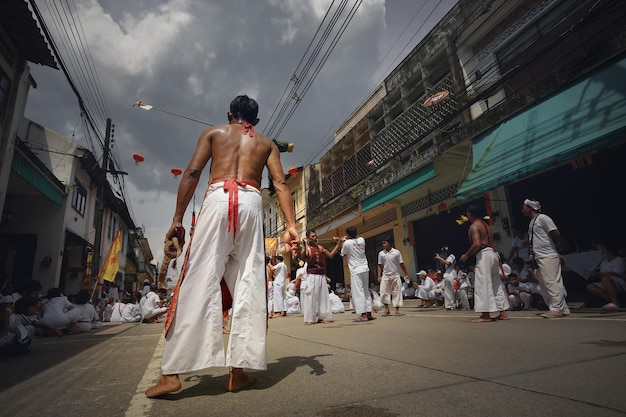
x: 193, y: 57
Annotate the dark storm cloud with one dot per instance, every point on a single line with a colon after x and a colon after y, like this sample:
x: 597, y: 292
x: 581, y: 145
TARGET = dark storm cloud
x: 191, y: 58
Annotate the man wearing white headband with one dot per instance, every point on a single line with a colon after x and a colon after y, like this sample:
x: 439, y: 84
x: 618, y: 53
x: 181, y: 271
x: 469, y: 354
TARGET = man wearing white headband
x: 543, y: 234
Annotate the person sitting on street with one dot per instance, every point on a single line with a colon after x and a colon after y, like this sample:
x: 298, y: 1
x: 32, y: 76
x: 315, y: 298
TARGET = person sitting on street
x: 28, y: 310
x: 519, y: 293
x: 462, y: 286
x: 130, y: 312
x: 336, y: 304
x: 408, y: 290
x: 108, y: 310
x: 610, y: 278
x: 88, y: 318
x: 59, y: 312
x: 118, y: 308
x: 152, y: 305
x: 15, y: 338
x: 426, y: 289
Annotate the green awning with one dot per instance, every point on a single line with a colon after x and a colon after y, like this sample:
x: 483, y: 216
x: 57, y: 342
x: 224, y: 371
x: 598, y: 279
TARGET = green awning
x: 586, y: 117
x: 399, y: 187
x: 22, y: 167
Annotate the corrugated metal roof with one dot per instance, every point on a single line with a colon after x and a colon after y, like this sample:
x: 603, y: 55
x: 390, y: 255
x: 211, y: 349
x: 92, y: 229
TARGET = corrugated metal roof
x: 18, y: 21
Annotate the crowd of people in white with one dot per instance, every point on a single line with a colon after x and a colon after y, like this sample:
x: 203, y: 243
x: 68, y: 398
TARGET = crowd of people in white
x: 27, y: 313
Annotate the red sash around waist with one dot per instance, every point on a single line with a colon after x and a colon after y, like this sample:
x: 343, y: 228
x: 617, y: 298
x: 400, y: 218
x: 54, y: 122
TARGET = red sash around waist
x: 232, y: 187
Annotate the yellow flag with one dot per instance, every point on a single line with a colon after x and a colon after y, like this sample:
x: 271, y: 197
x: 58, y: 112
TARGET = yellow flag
x: 271, y: 245
x: 112, y: 262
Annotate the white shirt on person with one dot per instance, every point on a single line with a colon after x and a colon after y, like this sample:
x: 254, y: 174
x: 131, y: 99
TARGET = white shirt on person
x: 521, y: 246
x: 149, y: 303
x: 617, y: 265
x: 543, y: 246
x: 355, y: 250
x: 390, y: 261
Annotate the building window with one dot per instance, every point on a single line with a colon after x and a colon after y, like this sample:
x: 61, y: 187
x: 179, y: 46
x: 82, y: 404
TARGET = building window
x: 79, y: 198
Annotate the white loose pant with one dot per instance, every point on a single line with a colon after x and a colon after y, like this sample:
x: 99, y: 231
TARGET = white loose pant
x: 391, y: 290
x: 489, y: 295
x: 551, y: 282
x: 194, y: 340
x: 317, y: 301
x: 359, y: 287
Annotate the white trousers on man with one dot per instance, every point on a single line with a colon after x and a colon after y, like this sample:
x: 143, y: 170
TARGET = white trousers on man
x: 449, y: 293
x: 361, y: 297
x: 391, y: 290
x: 551, y: 282
x: 280, y: 297
x: 489, y: 295
x: 316, y: 299
x: 194, y: 340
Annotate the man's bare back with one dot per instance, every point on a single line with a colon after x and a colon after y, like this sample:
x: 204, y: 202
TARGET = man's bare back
x: 238, y: 152
x: 238, y: 156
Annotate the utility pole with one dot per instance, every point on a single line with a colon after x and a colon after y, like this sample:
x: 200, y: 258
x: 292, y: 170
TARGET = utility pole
x: 102, y: 183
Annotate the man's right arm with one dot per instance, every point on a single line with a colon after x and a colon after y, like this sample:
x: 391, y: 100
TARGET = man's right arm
x: 190, y: 179
x: 475, y: 235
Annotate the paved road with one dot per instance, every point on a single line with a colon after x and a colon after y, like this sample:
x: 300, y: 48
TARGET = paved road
x: 425, y: 362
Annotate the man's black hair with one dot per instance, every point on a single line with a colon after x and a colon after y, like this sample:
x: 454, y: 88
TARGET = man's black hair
x: 476, y: 210
x: 244, y: 108
x: 22, y: 305
x: 351, y: 231
x: 82, y: 297
x: 279, y: 257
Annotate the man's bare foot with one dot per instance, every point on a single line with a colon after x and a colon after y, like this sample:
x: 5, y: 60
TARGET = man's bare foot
x: 323, y: 321
x: 167, y: 384
x: 225, y: 330
x: 238, y: 380
x: 307, y: 323
x: 484, y: 318
x: 502, y: 316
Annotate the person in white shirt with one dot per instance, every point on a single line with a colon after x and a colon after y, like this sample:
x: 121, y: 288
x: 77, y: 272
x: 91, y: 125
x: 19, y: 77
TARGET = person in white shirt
x: 151, y: 306
x: 543, y: 235
x: 88, y: 318
x: 519, y: 293
x: 116, y: 312
x: 59, y: 312
x: 390, y: 263
x: 113, y: 292
x: 462, y: 286
x: 520, y: 243
x: 408, y: 291
x: 610, y: 278
x: 336, y: 305
x: 280, y: 276
x: 353, y: 249
x: 301, y: 285
x: 426, y: 289
x: 448, y: 260
x: 131, y: 312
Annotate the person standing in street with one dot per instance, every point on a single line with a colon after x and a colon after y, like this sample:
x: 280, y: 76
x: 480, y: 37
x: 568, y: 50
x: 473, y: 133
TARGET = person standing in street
x: 489, y: 295
x: 317, y: 308
x: 227, y: 243
x: 353, y: 249
x: 390, y: 263
x: 543, y: 235
x: 448, y: 260
x: 280, y: 275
